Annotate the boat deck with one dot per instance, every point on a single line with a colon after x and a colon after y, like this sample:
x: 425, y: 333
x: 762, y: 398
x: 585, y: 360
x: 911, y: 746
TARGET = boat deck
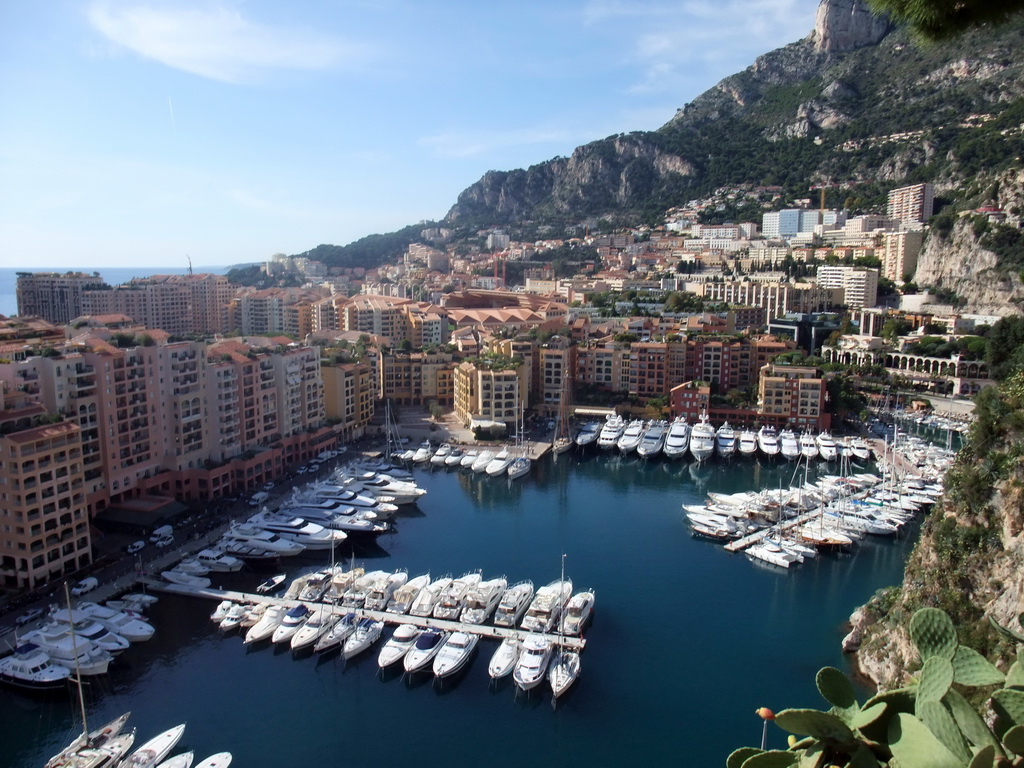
x: 483, y: 630
x: 750, y: 539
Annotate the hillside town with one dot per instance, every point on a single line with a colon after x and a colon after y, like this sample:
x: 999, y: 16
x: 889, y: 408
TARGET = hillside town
x: 191, y: 388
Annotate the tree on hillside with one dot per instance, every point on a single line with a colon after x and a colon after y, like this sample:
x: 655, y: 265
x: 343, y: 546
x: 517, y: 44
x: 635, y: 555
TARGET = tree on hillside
x: 945, y: 19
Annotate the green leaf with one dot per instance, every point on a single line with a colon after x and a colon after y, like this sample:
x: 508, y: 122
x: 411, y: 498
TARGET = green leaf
x: 773, y: 759
x: 971, y: 668
x: 863, y: 758
x: 984, y: 757
x: 1013, y: 740
x: 1008, y: 704
x: 836, y: 688
x: 811, y: 722
x: 933, y: 633
x: 1015, y: 676
x: 868, y: 715
x: 971, y: 724
x: 936, y: 677
x: 896, y: 701
x: 735, y: 760
x: 914, y: 746
x: 942, y: 725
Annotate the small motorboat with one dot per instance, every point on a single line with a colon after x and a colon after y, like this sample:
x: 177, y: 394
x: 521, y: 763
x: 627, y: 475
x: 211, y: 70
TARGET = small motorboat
x: 271, y: 584
x: 264, y: 628
x: 219, y: 760
x: 366, y: 634
x: 290, y: 624
x: 317, y: 625
x: 399, y: 644
x: 454, y: 653
x: 233, y: 617
x: 424, y: 650
x: 533, y: 662
x: 504, y: 659
x: 184, y: 760
x: 337, y: 635
x: 155, y: 750
x: 185, y: 579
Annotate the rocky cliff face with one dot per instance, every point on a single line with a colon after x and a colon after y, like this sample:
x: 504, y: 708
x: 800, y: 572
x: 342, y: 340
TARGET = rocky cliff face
x: 843, y: 25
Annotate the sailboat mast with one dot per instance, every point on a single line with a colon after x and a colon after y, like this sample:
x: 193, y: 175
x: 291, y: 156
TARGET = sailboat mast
x: 78, y: 667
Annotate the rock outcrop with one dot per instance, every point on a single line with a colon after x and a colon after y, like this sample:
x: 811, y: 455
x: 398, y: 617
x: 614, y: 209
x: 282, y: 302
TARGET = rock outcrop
x: 844, y: 25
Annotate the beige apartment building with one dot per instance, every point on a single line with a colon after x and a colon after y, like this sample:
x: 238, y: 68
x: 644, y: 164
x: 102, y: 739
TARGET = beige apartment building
x: 416, y: 378
x: 53, y: 296
x: 793, y: 396
x: 899, y: 255
x: 394, y: 318
x: 349, y: 397
x: 44, y: 521
x: 486, y: 393
x: 556, y: 364
x: 178, y: 304
x: 777, y: 299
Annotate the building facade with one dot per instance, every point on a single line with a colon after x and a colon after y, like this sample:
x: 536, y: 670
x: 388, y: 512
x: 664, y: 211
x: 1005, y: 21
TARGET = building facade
x: 54, y: 297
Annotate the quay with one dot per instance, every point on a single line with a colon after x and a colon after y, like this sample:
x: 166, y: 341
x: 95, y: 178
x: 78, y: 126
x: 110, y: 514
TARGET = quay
x: 750, y: 539
x: 497, y: 633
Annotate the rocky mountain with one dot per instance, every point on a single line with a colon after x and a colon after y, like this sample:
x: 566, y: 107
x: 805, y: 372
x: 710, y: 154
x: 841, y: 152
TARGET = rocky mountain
x: 855, y: 106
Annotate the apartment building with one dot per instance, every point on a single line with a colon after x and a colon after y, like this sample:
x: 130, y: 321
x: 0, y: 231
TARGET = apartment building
x: 489, y: 392
x: 44, y: 522
x: 54, y: 297
x: 556, y: 368
x: 858, y: 284
x: 396, y: 319
x: 178, y: 304
x: 271, y: 311
x: 776, y: 299
x: 416, y: 378
x: 913, y: 204
x: 899, y: 254
x: 793, y: 396
x: 349, y: 396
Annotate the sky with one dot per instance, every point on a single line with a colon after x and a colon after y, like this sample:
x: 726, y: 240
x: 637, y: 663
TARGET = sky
x: 224, y: 131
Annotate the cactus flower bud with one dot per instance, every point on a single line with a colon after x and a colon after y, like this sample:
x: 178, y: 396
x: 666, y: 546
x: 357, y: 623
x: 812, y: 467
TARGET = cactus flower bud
x: 765, y: 714
x: 791, y: 740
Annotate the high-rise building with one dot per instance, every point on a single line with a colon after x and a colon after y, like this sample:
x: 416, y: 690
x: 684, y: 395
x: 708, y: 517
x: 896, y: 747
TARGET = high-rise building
x: 899, y: 259
x: 859, y: 284
x: 489, y: 392
x: 794, y: 395
x: 54, y: 297
x: 911, y: 204
x: 178, y: 304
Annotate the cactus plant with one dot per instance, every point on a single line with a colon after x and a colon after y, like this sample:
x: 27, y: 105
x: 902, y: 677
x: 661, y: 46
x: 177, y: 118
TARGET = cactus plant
x: 929, y: 724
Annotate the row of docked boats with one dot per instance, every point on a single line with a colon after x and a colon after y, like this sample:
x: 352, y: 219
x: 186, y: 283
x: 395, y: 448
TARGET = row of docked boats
x: 701, y: 441
x: 507, y: 461
x: 111, y: 747
x: 81, y: 640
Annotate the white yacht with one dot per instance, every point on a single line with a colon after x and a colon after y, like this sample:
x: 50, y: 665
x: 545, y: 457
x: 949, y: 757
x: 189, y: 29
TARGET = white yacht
x: 702, y: 439
x: 440, y: 455
x: 520, y: 467
x: 218, y: 760
x: 403, y: 598
x: 546, y: 608
x: 317, y: 625
x: 290, y: 624
x: 564, y: 670
x: 131, y: 628
x: 381, y: 488
x: 469, y: 458
x: 653, y: 440
x: 257, y: 538
x: 827, y: 447
x: 860, y: 449
x: 424, y: 650
x: 233, y: 617
x: 72, y: 652
x: 382, y: 592
x: 482, y: 600
x: 454, y: 653
x: 453, y: 598
x: 504, y: 659
x: 425, y: 601
x: 264, y: 628
x: 381, y: 504
x: 155, y: 750
x: 677, y: 441
x: 355, y: 596
x: 770, y: 552
x: 337, y: 634
x: 500, y: 463
x: 631, y: 436
x: 533, y: 662
x: 340, y: 583
x: 341, y: 517
x: 789, y: 445
x: 577, y: 613
x: 454, y: 457
x: 483, y: 460
x: 399, y: 644
x: 513, y: 604
x: 423, y: 453
x: 366, y: 633
x: 30, y: 667
x: 218, y: 561
x: 725, y: 441
x: 808, y: 446
x: 748, y: 443
x: 185, y: 579
x: 312, y: 536
x: 612, y: 430
x: 768, y: 441
x: 86, y: 628
x: 588, y: 434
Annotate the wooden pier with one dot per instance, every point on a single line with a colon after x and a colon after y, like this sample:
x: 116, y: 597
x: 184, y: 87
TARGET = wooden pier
x: 483, y: 630
x: 781, y: 527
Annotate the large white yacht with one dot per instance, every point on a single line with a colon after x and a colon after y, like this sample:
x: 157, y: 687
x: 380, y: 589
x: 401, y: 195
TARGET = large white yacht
x: 612, y: 430
x: 483, y: 460
x: 454, y: 653
x: 264, y: 628
x: 748, y: 443
x: 631, y: 436
x: 425, y: 601
x: 259, y: 539
x: 500, y: 463
x: 533, y: 662
x: 29, y: 667
x: 131, y: 628
x: 702, y: 439
x: 653, y: 440
x: 424, y: 650
x: 768, y: 441
x: 677, y: 441
x: 423, y: 453
x: 290, y: 624
x: 340, y: 517
x: 399, y: 644
x: 827, y: 447
x: 382, y: 506
x: 588, y: 434
x: 312, y: 536
x: 577, y: 613
x: 382, y: 592
x: 406, y: 594
x: 85, y: 627
x: 808, y: 446
x: 72, y: 652
x: 725, y: 441
x: 546, y: 608
x: 453, y: 598
x: 513, y: 604
x: 789, y: 445
x: 482, y: 600
x: 218, y: 561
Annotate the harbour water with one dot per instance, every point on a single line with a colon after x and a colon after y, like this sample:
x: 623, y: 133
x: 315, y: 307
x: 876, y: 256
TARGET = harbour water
x: 686, y: 642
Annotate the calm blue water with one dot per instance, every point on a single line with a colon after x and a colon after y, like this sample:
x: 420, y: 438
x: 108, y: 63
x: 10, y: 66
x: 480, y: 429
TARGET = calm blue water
x: 687, y: 640
x: 113, y: 276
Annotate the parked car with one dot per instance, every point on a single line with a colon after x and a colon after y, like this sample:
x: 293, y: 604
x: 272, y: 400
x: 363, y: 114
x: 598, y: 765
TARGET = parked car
x: 135, y: 546
x: 85, y: 585
x: 28, y: 616
x: 164, y: 541
x: 162, y: 532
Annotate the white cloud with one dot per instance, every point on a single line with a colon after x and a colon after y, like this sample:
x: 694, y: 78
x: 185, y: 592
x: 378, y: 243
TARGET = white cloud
x: 483, y: 142
x: 210, y: 39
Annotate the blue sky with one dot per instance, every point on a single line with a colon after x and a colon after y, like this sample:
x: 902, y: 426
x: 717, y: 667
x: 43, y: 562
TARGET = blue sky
x: 139, y: 131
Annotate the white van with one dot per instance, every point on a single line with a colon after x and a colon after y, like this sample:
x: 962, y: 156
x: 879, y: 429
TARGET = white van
x: 163, y: 532
x: 85, y: 585
x: 258, y: 498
